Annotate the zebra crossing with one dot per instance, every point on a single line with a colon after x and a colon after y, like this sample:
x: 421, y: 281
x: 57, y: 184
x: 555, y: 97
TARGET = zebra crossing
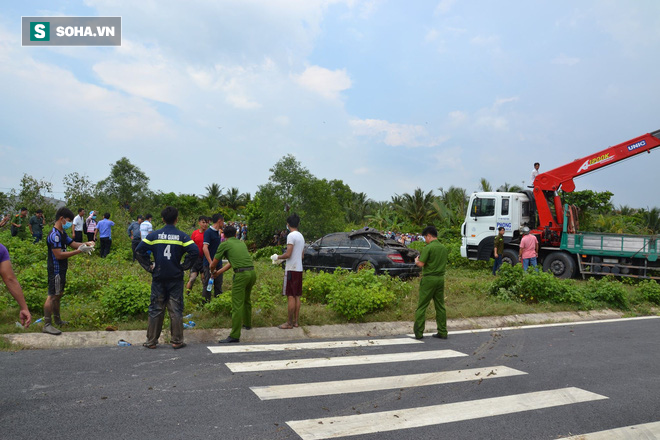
x: 404, y: 418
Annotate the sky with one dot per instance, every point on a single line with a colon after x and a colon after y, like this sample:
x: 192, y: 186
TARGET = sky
x: 387, y: 96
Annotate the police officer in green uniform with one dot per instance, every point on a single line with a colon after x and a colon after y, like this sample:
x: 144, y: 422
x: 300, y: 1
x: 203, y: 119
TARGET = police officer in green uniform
x: 498, y: 249
x: 239, y: 258
x: 433, y: 261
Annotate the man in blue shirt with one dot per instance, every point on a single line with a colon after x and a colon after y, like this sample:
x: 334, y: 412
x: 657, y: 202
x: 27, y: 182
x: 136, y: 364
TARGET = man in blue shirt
x: 212, y: 240
x: 57, y: 242
x: 104, y: 229
x: 168, y: 246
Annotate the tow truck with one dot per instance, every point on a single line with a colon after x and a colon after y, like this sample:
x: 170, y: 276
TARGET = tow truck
x: 563, y: 249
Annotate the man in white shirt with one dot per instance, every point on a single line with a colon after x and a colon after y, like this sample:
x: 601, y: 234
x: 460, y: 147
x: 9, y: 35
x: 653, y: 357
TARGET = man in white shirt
x: 146, y: 226
x: 295, y: 244
x: 535, y: 172
x: 78, y: 224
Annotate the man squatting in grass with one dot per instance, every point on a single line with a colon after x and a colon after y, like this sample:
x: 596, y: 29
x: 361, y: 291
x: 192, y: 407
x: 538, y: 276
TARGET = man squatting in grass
x: 293, y: 271
x: 9, y: 278
x: 433, y: 261
x: 236, y: 252
x: 167, y: 245
x: 58, y: 264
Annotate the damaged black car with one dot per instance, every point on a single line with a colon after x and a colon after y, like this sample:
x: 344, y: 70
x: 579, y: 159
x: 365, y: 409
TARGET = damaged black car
x: 362, y: 249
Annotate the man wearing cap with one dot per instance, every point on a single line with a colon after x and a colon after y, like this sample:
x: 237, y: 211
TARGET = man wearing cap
x: 529, y: 249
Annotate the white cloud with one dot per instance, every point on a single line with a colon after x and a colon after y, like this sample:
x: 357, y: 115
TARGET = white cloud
x: 457, y: 117
x: 431, y: 35
x: 502, y: 101
x: 565, y: 60
x: 327, y: 83
x: 449, y: 159
x: 396, y: 135
x: 361, y: 171
x: 481, y: 40
x: 444, y: 6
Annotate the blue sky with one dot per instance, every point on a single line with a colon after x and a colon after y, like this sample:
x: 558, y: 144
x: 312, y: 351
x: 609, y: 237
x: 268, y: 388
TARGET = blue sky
x: 387, y: 96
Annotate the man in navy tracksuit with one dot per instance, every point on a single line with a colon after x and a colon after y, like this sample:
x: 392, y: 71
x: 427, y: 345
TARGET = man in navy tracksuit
x: 167, y: 245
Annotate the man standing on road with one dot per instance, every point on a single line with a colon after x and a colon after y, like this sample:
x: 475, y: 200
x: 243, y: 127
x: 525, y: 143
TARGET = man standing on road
x: 236, y: 252
x: 198, y: 237
x: 529, y: 249
x: 104, y: 229
x: 293, y: 272
x: 433, y: 261
x: 37, y: 225
x: 210, y: 245
x: 9, y: 278
x: 58, y: 264
x: 78, y: 225
x: 498, y: 249
x: 168, y: 246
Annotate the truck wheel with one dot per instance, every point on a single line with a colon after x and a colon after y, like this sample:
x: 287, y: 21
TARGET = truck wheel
x: 561, y: 265
x: 510, y: 256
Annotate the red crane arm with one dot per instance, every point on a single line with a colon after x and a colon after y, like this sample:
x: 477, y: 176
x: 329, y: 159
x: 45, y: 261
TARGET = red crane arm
x: 563, y: 176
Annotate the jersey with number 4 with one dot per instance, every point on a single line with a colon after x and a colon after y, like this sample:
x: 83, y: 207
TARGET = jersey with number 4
x: 168, y: 245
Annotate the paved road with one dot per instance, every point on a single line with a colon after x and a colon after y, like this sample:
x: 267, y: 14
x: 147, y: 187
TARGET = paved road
x: 544, y: 382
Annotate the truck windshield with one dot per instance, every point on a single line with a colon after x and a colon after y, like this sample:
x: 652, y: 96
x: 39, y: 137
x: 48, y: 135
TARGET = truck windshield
x: 482, y: 207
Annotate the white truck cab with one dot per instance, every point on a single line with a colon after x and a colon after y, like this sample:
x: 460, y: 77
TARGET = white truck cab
x: 487, y: 211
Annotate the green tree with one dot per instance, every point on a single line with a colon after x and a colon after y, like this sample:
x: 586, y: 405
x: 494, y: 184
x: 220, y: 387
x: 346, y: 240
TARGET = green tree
x: 292, y: 188
x: 417, y: 207
x: 233, y: 199
x: 455, y: 200
x: 78, y: 191
x: 484, y: 185
x: 126, y: 184
x: 591, y: 205
x: 32, y: 195
x: 507, y: 187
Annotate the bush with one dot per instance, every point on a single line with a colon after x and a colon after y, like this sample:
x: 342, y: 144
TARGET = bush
x: 126, y: 297
x: 359, y: 294
x: 650, y: 291
x: 606, y: 290
x: 317, y: 287
x: 220, y: 304
x: 266, y: 252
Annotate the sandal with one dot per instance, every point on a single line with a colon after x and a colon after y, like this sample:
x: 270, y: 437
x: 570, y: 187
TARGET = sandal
x: 295, y: 325
x: 177, y: 346
x: 285, y: 326
x: 149, y: 346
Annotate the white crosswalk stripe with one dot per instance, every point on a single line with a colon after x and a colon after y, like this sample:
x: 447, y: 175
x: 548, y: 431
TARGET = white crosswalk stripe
x: 646, y: 431
x: 334, y: 427
x: 239, y: 348
x: 242, y: 367
x: 381, y: 383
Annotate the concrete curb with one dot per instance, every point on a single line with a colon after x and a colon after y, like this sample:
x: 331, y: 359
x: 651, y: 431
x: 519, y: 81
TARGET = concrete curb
x: 274, y: 334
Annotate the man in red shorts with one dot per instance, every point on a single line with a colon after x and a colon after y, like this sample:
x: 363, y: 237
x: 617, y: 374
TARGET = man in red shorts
x: 295, y: 243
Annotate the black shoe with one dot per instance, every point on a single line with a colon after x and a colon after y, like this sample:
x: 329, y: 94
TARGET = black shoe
x: 247, y: 327
x: 228, y: 340
x: 419, y: 337
x: 439, y: 336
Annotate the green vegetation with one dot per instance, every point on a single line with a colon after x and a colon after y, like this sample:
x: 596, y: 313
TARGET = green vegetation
x: 115, y: 291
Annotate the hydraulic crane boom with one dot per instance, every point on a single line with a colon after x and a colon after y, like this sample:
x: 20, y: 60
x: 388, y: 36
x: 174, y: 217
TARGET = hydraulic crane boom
x: 547, y: 184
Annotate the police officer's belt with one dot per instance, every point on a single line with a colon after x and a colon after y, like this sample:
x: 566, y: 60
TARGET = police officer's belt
x: 243, y: 269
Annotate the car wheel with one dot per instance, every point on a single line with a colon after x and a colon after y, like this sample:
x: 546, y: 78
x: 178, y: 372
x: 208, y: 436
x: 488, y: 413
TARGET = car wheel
x: 364, y: 265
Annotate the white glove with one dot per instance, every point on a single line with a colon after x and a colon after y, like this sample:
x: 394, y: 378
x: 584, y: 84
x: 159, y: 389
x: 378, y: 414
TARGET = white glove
x: 86, y: 249
x: 274, y: 259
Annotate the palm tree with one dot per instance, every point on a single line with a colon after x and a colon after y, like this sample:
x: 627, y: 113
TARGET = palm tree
x: 509, y: 188
x: 456, y: 200
x: 233, y: 199
x: 484, y: 185
x: 417, y: 207
x: 214, y: 191
x: 358, y: 208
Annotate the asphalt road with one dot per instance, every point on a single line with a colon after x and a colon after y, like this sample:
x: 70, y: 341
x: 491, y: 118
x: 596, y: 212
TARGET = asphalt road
x: 530, y: 383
